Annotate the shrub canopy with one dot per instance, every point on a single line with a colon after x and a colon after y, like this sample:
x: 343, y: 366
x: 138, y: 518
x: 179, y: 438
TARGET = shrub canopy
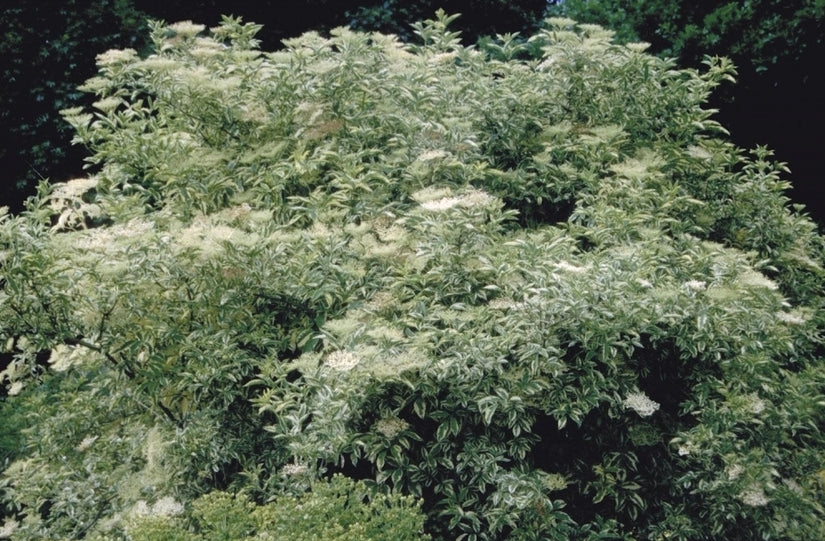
x: 531, y: 285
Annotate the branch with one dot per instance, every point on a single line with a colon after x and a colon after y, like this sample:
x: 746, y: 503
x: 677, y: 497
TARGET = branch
x: 94, y: 347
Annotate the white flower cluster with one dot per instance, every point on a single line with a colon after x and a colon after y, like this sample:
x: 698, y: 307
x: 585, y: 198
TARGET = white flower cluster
x: 554, y: 481
x: 504, y: 304
x: 390, y: 427
x: 64, y: 357
x: 116, y: 56
x: 15, y: 388
x: 341, y: 360
x: 167, y: 507
x: 734, y: 471
x: 159, y: 64
x: 569, y: 267
x: 699, y: 153
x: 383, y: 333
x: 380, y: 301
x: 696, y: 285
x: 431, y: 193
x: 392, y: 233
x: 432, y: 155
x: 164, y: 507
x: 388, y: 363
x: 187, y: 28
x: 442, y: 58
x: 66, y: 200
x: 108, y: 104
x: 473, y: 198
x: 107, y: 238
x: 754, y: 496
x: 790, y: 318
x: 752, y: 278
x: 641, y: 404
x: 440, y: 205
x: 319, y: 230
x: 293, y: 469
x: 8, y: 528
x: 638, y: 46
x: 86, y: 443
x: 74, y: 188
x: 755, y: 404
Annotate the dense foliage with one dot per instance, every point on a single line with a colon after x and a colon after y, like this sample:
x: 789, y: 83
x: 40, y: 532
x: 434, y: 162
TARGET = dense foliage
x: 480, y: 18
x: 762, y: 33
x: 529, y: 290
x: 777, y: 46
x: 48, y: 50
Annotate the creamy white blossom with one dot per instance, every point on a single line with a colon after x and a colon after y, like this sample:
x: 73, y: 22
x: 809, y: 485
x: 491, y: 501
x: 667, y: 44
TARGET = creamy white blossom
x: 440, y: 205
x: 86, y: 443
x: 380, y: 301
x: 641, y: 404
x: 755, y: 404
x: 754, y: 496
x: 167, y: 507
x: 472, y: 198
x: 431, y: 193
x: 392, y: 233
x: 116, y: 56
x: 569, y: 267
x: 638, y: 46
x: 159, y: 63
x: 687, y: 448
x: 504, y: 304
x: 8, y: 528
x: 696, y: 285
x: 432, y: 155
x: 293, y: 469
x: 386, y: 333
x: 73, y: 189
x: 441, y: 58
x: 554, y: 481
x: 752, y: 278
x: 187, y: 28
x: 734, y: 471
x: 390, y: 427
x: 15, y: 388
x: 141, y: 509
x: 107, y: 104
x: 107, y: 239
x: 699, y: 153
x: 791, y: 318
x: 341, y: 360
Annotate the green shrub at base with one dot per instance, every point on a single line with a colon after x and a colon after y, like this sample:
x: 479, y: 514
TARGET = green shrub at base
x: 336, y: 510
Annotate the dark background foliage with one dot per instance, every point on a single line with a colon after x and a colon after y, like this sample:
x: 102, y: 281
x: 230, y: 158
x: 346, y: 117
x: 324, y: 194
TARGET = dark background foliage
x: 48, y: 48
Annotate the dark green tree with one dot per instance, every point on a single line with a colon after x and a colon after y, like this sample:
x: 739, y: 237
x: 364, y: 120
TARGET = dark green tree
x: 478, y: 18
x: 46, y: 50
